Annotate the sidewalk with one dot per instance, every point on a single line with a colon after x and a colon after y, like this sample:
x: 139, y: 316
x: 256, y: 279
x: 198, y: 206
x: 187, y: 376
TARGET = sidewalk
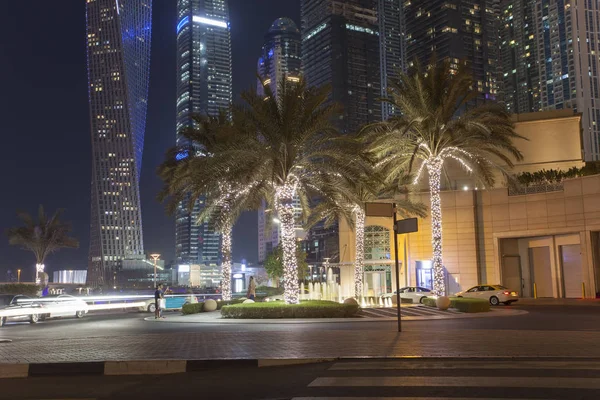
x: 558, y: 302
x: 367, y: 315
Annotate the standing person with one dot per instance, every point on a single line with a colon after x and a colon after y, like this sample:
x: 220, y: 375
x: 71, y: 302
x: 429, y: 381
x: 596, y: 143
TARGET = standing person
x: 158, y: 295
x: 251, y: 289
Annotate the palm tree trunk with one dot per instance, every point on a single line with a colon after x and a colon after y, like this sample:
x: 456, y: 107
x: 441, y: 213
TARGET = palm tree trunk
x: 434, y: 169
x: 359, y: 261
x: 39, y: 270
x: 284, y: 198
x: 226, y: 262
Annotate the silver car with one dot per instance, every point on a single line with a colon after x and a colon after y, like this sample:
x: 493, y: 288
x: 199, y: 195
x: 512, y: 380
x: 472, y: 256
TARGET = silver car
x: 19, y: 308
x: 415, y: 293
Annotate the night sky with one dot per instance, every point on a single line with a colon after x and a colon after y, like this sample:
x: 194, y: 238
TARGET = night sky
x: 45, y: 150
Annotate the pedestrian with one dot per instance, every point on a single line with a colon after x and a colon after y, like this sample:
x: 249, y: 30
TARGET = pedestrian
x: 158, y: 296
x: 251, y: 289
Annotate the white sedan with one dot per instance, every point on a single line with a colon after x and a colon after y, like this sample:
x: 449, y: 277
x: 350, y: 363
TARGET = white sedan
x: 65, y: 305
x: 495, y: 294
x: 415, y: 293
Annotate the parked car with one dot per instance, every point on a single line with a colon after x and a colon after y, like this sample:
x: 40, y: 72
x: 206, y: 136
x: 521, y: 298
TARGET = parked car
x: 64, y: 305
x: 415, y: 293
x: 173, y: 302
x: 19, y: 308
x: 495, y: 294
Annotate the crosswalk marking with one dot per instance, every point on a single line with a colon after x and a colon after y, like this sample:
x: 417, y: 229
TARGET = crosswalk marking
x: 458, y: 381
x: 413, y: 364
x: 413, y: 311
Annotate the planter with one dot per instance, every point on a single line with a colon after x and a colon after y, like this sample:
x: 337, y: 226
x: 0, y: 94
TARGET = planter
x: 442, y: 302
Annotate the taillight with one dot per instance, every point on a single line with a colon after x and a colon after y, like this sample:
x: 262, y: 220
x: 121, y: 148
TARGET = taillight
x: 506, y: 293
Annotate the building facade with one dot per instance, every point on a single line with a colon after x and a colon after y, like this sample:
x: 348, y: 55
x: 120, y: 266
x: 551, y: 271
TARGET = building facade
x: 568, y: 37
x: 204, y: 86
x: 392, y: 47
x: 458, y: 30
x: 281, y: 56
x: 519, y: 57
x: 340, y: 48
x: 118, y: 52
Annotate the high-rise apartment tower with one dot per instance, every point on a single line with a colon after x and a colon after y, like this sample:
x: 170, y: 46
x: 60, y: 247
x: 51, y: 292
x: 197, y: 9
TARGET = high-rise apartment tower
x: 204, y: 86
x: 118, y: 53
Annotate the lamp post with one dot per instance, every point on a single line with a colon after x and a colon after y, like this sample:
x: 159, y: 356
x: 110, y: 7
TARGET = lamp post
x: 155, y: 257
x: 18, y: 276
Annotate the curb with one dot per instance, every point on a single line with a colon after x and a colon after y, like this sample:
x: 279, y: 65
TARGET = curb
x: 223, y: 321
x: 142, y: 367
x: 166, y: 367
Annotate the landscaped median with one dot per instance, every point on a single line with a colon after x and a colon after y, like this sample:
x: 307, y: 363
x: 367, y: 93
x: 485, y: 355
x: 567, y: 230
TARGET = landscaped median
x: 276, y: 310
x: 462, y: 304
x: 196, y: 308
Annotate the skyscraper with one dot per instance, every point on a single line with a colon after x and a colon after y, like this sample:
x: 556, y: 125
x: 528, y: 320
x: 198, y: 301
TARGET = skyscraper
x: 118, y: 52
x: 340, y: 47
x: 568, y: 40
x: 204, y: 86
x: 459, y: 30
x: 392, y: 47
x: 280, y: 56
x: 519, y: 56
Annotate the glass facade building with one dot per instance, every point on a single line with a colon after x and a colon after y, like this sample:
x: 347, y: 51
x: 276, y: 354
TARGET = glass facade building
x: 520, y: 83
x: 118, y: 53
x: 281, y: 55
x: 459, y: 30
x: 204, y: 86
x: 568, y: 40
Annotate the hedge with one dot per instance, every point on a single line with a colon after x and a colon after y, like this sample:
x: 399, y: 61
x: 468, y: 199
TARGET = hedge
x: 267, y: 291
x: 306, y: 309
x: 463, y: 304
x: 195, y: 308
x: 20, y: 288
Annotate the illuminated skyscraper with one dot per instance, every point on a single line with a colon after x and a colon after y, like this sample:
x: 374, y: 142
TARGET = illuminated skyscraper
x: 280, y: 56
x: 204, y: 86
x: 118, y: 52
x: 458, y: 30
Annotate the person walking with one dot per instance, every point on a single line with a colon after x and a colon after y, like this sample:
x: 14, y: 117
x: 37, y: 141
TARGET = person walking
x: 251, y: 289
x: 158, y: 296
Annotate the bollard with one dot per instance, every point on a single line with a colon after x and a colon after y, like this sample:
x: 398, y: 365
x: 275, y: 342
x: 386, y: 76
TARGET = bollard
x: 534, y: 291
x: 583, y: 290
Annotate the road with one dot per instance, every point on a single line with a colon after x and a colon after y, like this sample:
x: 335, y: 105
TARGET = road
x: 348, y: 379
x: 539, y: 318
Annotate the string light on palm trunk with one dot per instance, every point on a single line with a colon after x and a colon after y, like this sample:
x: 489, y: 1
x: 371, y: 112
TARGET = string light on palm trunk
x: 226, y: 262
x: 359, y: 216
x: 284, y: 201
x: 434, y: 169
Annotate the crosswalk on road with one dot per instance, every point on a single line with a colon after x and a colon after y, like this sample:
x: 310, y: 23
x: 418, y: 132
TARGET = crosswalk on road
x: 413, y: 311
x: 426, y: 379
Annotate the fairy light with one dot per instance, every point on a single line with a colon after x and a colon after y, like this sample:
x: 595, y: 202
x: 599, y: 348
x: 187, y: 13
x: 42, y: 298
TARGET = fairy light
x: 39, y: 268
x: 284, y: 203
x: 226, y: 261
x: 434, y: 168
x: 359, y: 237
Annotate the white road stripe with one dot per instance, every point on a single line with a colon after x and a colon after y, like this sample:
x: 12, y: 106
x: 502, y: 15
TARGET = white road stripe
x: 402, y: 398
x: 458, y: 381
x: 412, y: 364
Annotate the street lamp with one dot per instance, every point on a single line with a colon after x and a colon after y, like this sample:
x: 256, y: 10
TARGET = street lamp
x: 155, y: 257
x: 18, y: 276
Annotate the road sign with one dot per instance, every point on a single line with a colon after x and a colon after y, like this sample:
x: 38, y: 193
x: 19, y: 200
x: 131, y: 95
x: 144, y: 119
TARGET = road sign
x: 379, y: 210
x: 406, y: 226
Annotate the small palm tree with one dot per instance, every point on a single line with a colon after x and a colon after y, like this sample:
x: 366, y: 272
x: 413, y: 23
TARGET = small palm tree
x: 183, y: 172
x: 350, y: 203
x: 436, y: 127
x: 42, y: 237
x: 292, y: 149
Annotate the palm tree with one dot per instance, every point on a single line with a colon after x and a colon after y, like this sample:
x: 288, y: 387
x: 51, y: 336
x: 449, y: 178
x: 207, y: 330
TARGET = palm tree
x: 224, y: 201
x: 292, y: 149
x: 350, y: 205
x: 436, y: 126
x: 42, y: 237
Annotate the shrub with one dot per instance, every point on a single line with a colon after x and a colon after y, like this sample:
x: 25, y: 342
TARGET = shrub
x: 306, y: 309
x: 192, y: 308
x: 463, y: 304
x: 266, y: 291
x: 20, y: 288
x: 195, y: 308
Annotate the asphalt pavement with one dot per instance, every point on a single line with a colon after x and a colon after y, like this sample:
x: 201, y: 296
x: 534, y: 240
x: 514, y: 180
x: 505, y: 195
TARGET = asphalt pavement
x: 349, y: 379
